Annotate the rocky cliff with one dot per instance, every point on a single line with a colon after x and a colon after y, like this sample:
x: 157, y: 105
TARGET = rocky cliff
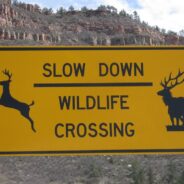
x: 8, y: 2
x: 28, y: 24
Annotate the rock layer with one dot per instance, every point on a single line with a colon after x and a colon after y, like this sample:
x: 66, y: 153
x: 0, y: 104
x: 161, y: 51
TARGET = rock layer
x: 26, y: 22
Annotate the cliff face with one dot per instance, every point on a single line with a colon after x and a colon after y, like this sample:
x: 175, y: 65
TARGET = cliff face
x: 26, y: 22
x: 8, y: 2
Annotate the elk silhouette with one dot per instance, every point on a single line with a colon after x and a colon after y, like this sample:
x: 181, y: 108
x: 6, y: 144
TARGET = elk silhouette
x: 8, y: 101
x: 175, y: 105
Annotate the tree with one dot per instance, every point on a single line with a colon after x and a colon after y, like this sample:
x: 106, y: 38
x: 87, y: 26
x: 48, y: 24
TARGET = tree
x: 172, y: 33
x: 112, y: 9
x: 130, y: 16
x: 157, y: 28
x: 181, y: 33
x: 37, y: 8
x: 15, y: 2
x: 163, y: 31
x: 47, y: 11
x: 71, y: 8
x: 123, y: 13
x: 84, y: 9
x: 61, y: 11
x: 108, y: 8
x: 145, y: 23
x: 136, y: 16
x: 102, y: 8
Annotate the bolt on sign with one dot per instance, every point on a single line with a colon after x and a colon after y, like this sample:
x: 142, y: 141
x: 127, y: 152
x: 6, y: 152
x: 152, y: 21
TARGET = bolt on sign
x: 91, y: 100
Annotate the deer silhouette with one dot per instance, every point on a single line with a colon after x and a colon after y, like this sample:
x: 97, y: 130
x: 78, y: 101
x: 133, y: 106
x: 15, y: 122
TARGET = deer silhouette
x: 175, y: 105
x: 8, y: 101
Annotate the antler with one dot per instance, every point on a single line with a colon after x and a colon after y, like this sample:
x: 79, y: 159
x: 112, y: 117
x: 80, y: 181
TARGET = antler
x: 170, y: 79
x: 6, y: 72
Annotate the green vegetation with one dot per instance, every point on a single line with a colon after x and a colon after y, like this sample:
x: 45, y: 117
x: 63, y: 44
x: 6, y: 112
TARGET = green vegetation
x: 93, y: 171
x: 47, y: 11
x: 150, y: 176
x: 136, y: 174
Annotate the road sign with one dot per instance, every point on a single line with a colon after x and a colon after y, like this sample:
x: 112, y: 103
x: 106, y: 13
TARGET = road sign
x: 91, y: 100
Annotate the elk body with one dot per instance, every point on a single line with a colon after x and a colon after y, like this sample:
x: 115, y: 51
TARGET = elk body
x: 175, y: 105
x: 8, y: 101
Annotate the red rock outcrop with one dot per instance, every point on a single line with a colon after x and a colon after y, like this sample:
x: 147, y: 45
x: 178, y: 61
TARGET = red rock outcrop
x: 92, y: 27
x: 30, y: 8
x: 7, y: 2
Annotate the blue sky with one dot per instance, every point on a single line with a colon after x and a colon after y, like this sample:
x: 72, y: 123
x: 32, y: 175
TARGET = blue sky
x: 166, y: 14
x: 80, y: 3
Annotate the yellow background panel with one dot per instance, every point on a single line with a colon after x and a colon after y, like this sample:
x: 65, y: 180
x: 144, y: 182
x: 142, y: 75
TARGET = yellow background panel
x: 146, y: 109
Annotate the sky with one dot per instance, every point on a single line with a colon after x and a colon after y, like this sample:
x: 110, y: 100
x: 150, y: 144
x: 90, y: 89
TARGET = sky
x: 167, y: 14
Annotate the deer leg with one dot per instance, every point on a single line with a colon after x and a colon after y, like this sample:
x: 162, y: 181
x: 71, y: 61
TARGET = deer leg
x: 32, y: 124
x: 178, y: 121
x: 182, y: 119
x: 30, y: 120
x: 172, y: 120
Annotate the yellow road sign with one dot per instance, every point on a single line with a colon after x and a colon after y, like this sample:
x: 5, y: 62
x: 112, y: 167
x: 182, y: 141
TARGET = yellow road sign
x: 91, y: 100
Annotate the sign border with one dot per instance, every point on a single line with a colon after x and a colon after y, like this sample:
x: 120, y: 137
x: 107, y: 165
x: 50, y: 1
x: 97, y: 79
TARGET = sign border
x: 73, y: 152
x: 77, y: 48
x: 88, y: 48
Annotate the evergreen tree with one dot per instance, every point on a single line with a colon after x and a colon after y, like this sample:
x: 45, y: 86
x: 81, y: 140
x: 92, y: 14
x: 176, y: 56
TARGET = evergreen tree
x: 181, y: 33
x: 123, y: 13
x: 136, y: 16
x: 61, y: 11
x: 84, y: 9
x: 71, y: 8
x: 47, y: 11
x: 102, y: 8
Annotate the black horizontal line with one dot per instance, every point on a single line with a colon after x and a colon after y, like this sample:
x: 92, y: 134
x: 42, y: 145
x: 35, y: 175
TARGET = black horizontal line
x: 86, y: 48
x: 94, y: 151
x: 124, y: 84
